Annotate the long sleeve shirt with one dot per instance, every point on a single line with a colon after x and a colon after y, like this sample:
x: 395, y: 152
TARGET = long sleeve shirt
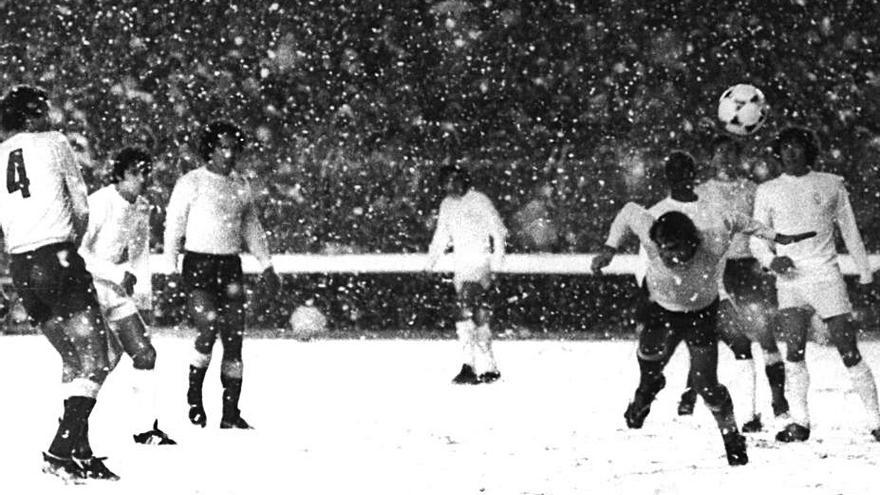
x: 817, y: 202
x: 117, y: 239
x: 473, y: 227
x: 693, y: 285
x: 45, y: 198
x: 214, y: 214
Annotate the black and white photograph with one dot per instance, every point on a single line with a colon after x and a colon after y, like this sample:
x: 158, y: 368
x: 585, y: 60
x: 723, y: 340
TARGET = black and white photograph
x: 439, y: 247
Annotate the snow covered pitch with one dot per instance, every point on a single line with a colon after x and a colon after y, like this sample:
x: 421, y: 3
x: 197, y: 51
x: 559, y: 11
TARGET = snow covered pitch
x: 380, y: 417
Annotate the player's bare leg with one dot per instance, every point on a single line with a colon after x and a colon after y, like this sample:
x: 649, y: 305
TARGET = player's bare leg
x: 793, y: 325
x: 203, y: 312
x: 231, y: 322
x: 704, y: 362
x: 843, y: 335
x: 132, y: 334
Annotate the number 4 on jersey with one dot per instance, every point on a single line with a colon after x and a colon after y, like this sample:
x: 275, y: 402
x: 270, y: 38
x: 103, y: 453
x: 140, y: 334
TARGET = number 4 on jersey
x: 16, y: 175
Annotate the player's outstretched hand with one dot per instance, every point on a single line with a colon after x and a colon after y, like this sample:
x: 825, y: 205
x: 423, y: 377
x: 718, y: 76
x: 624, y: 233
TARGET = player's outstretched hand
x: 791, y: 238
x: 128, y: 282
x: 781, y: 264
x: 602, y: 259
x: 273, y: 283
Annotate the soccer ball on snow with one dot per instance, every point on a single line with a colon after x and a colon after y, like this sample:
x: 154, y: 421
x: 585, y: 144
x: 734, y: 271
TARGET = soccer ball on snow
x: 742, y: 109
x: 307, y: 322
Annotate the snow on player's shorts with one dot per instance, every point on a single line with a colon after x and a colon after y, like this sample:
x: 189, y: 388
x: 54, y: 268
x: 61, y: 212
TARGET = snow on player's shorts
x: 826, y: 295
x: 115, y: 304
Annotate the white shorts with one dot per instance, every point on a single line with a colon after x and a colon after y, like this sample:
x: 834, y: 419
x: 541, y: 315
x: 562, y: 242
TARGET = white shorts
x: 115, y: 304
x: 827, y: 296
x: 473, y: 271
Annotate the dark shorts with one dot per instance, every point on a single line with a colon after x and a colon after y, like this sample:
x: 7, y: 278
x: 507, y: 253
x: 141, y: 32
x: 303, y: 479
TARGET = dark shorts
x: 748, y: 283
x: 664, y: 329
x: 218, y: 274
x: 52, y: 281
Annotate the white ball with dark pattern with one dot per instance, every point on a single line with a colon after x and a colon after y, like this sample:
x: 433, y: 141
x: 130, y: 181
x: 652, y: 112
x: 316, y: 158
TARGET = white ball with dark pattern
x: 742, y: 109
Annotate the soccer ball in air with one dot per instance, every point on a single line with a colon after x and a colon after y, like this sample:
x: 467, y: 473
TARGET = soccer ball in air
x: 307, y: 322
x: 742, y: 109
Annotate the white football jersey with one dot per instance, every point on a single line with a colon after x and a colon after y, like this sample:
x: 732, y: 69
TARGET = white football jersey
x: 816, y: 201
x: 213, y: 214
x: 468, y: 223
x: 44, y: 200
x: 695, y: 285
x: 118, y: 238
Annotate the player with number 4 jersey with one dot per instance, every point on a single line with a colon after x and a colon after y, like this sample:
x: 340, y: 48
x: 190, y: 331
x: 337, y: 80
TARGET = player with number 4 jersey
x: 44, y: 214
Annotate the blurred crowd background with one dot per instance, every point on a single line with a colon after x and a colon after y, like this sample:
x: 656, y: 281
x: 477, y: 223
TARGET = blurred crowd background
x: 562, y: 110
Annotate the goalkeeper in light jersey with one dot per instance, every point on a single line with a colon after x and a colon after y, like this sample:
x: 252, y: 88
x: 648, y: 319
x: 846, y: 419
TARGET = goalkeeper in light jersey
x: 469, y: 222
x: 808, y: 277
x: 682, y: 280
x: 116, y: 250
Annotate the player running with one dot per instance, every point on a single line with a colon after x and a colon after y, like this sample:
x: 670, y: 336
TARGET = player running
x: 808, y: 277
x: 116, y: 251
x: 214, y: 209
x: 44, y: 214
x: 470, y: 223
x: 682, y: 280
x: 742, y: 284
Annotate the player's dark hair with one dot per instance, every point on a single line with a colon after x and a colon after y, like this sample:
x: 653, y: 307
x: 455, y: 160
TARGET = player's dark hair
x: 459, y: 172
x: 21, y: 104
x: 212, y: 134
x: 674, y: 227
x: 723, y: 139
x: 680, y: 167
x: 802, y: 135
x: 129, y: 158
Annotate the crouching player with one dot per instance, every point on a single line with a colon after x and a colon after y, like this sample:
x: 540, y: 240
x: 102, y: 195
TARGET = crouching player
x: 115, y: 248
x: 470, y: 223
x: 682, y: 280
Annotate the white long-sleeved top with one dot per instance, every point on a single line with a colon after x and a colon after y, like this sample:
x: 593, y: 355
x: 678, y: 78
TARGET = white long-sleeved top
x: 44, y: 200
x: 816, y: 201
x: 734, y: 195
x: 468, y: 223
x: 118, y: 238
x: 694, y: 285
x: 214, y: 213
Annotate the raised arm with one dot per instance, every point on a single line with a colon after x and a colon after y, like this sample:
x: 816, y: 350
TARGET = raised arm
x: 632, y: 219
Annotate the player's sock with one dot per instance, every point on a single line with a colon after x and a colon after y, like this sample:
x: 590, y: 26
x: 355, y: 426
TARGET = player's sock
x: 864, y: 385
x: 76, y: 416
x: 797, y: 383
x: 197, y: 414
x: 230, y: 378
x: 485, y: 358
x: 722, y: 409
x: 143, y: 387
x: 745, y: 378
x: 465, y: 330
x: 775, y: 371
